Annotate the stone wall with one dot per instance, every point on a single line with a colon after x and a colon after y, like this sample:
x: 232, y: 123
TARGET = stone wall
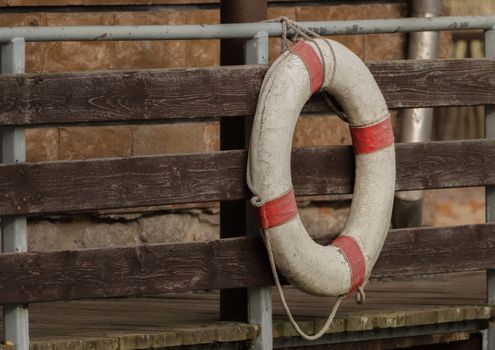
x: 151, y: 225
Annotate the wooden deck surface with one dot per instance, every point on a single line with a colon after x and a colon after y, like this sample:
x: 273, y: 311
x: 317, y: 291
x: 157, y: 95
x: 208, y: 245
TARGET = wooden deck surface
x: 192, y: 318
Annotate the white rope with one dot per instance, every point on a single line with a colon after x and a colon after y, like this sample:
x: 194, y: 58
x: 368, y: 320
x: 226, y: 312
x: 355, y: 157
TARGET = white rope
x: 330, y: 318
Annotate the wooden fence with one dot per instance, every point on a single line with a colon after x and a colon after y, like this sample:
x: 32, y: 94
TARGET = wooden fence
x: 32, y: 100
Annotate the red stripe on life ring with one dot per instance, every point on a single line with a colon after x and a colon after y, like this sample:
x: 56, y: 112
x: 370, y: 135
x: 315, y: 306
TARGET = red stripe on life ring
x: 372, y: 138
x: 313, y: 64
x: 278, y: 211
x: 355, y: 258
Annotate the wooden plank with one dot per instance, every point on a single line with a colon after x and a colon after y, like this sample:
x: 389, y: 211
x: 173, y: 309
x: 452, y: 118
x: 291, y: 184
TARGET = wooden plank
x: 152, y: 95
x: 360, y: 321
x: 228, y: 263
x: 71, y: 186
x: 454, y: 341
x: 129, y: 96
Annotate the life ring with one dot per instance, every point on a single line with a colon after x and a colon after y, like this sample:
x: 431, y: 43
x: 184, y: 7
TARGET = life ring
x: 308, y: 67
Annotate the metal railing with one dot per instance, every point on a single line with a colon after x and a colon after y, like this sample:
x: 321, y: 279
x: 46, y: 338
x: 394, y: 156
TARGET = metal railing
x: 244, y: 30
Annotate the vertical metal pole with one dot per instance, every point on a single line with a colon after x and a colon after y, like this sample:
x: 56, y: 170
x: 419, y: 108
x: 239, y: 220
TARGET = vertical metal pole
x: 416, y: 123
x: 14, y: 229
x: 259, y: 298
x: 490, y: 190
x: 234, y: 302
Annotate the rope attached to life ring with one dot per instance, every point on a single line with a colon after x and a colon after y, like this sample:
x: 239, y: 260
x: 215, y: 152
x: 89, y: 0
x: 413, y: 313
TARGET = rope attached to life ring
x: 280, y: 292
x: 287, y: 26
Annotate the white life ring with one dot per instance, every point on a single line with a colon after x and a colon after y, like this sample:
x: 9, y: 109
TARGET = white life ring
x: 308, y: 67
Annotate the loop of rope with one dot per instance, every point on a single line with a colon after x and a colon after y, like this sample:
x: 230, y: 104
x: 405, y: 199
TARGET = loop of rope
x: 331, y: 316
x: 256, y: 202
x: 360, y: 295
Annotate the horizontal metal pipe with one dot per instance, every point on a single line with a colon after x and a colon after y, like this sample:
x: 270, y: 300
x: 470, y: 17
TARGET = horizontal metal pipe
x: 245, y: 30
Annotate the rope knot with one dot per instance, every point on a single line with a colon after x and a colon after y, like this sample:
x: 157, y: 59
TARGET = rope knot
x: 257, y: 202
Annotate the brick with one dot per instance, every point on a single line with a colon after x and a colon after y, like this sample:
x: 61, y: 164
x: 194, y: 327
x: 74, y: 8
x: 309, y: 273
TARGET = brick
x: 78, y: 56
x: 329, y: 12
x: 470, y: 8
x: 166, y: 54
x: 175, y: 138
x: 22, y: 19
x: 445, y: 45
x: 95, y: 142
x: 41, y: 144
x: 211, y: 135
x: 43, y: 2
x: 278, y: 11
x: 318, y: 131
x: 385, y: 46
x: 98, y: 2
x: 34, y: 51
x: 383, y: 11
x: 445, y: 42
x: 334, y: 13
x: 454, y: 206
x: 202, y: 53
x: 34, y: 58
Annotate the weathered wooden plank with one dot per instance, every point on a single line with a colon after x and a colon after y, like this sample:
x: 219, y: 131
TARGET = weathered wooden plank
x: 228, y: 263
x: 54, y: 187
x: 470, y: 339
x: 129, y: 96
x: 136, y: 96
x: 149, y: 340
